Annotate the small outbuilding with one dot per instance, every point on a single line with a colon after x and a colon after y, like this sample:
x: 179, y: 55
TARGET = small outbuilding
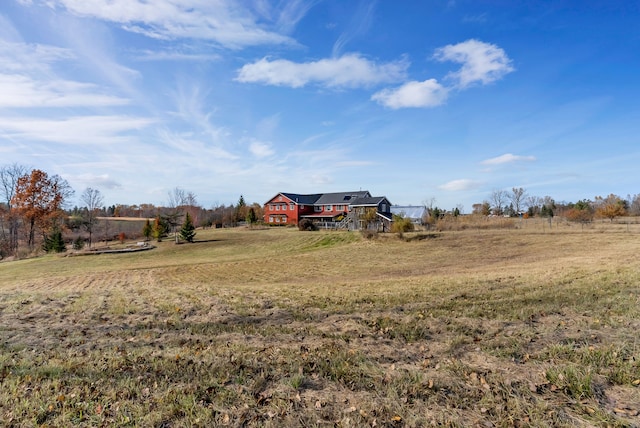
x: 416, y: 213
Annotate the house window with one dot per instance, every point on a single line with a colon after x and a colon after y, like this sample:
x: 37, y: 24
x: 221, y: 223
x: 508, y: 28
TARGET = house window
x: 291, y: 206
x: 277, y: 219
x: 339, y: 207
x: 317, y: 208
x: 270, y: 219
x: 327, y: 208
x: 383, y: 208
x: 277, y: 207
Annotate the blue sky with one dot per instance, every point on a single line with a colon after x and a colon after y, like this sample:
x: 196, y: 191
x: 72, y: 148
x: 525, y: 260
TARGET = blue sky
x: 414, y: 100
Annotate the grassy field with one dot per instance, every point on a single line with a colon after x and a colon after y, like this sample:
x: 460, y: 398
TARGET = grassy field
x: 522, y: 327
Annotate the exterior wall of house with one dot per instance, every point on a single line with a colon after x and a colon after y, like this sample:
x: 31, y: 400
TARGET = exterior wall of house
x: 281, y: 210
x: 330, y: 210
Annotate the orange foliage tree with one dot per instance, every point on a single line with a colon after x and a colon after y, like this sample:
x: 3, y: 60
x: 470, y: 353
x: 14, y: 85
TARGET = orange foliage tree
x: 39, y: 199
x: 610, y: 207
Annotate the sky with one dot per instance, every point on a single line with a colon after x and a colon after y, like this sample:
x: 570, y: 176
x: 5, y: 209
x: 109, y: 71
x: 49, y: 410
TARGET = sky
x: 443, y: 101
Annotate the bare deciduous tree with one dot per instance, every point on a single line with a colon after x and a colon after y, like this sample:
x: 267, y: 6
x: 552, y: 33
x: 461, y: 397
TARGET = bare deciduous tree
x: 517, y: 198
x: 498, y: 200
x: 9, y: 175
x: 93, y: 201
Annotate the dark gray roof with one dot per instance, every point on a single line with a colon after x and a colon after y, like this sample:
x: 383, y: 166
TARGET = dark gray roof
x: 345, y: 198
x: 302, y: 199
x: 355, y: 198
x: 369, y: 201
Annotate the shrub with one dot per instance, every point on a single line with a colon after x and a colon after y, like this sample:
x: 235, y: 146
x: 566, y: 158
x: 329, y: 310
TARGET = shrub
x: 306, y: 224
x: 401, y: 225
x: 78, y: 243
x: 369, y: 233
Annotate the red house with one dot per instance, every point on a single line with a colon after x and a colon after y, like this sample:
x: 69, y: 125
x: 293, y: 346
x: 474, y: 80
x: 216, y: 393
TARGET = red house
x: 328, y: 208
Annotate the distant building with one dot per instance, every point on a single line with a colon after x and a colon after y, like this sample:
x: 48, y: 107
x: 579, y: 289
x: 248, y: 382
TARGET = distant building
x: 416, y: 213
x: 341, y: 210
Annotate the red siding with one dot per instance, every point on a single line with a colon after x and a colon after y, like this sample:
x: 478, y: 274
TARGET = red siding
x: 278, y: 211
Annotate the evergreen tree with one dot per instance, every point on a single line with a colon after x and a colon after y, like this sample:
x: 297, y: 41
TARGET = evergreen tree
x: 54, y: 242
x: 241, y: 210
x: 187, y: 232
x: 159, y: 229
x: 147, y: 230
x: 78, y: 243
x: 252, y: 218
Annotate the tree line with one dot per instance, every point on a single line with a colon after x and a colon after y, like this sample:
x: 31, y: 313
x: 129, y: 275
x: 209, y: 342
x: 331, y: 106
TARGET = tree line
x: 518, y: 203
x: 35, y: 212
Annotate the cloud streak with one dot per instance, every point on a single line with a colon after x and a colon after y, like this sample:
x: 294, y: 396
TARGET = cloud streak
x: 84, y: 130
x: 508, y: 158
x: 23, y: 92
x: 460, y: 185
x: 348, y: 71
x: 226, y: 22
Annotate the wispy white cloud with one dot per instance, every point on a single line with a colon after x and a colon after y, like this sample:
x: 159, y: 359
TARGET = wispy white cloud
x: 22, y: 91
x: 348, y: 71
x: 481, y: 62
x: 84, y: 130
x: 260, y: 149
x: 508, y: 158
x: 476, y: 19
x: 359, y: 25
x: 176, y: 55
x: 194, y: 109
x: 96, y: 180
x: 188, y: 143
x: 291, y: 13
x: 226, y: 22
x: 22, y: 57
x: 460, y: 185
x: 29, y: 78
x: 354, y: 163
x: 429, y: 93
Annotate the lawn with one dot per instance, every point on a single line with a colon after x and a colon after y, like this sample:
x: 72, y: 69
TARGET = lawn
x: 277, y: 327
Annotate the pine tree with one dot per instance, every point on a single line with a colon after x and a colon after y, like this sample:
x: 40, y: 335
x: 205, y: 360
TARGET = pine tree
x: 54, y: 242
x: 158, y: 230
x: 252, y: 218
x: 147, y: 230
x: 187, y: 232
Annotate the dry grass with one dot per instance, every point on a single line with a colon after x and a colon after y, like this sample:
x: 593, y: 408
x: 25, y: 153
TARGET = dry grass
x: 519, y: 327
